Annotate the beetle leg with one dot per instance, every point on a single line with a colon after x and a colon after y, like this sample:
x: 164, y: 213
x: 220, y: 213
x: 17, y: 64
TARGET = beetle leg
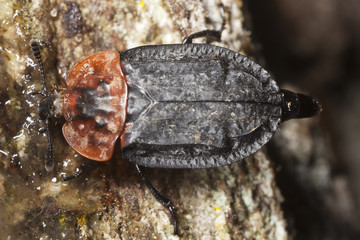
x: 209, y: 34
x: 49, y: 157
x: 80, y: 170
x: 159, y: 197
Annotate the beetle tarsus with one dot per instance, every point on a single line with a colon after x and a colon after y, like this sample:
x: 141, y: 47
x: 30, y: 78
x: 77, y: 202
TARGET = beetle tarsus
x: 209, y: 34
x: 79, y: 171
x: 159, y: 197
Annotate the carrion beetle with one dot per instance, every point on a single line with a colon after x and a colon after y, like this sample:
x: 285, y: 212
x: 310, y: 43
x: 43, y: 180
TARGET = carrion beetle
x: 173, y: 106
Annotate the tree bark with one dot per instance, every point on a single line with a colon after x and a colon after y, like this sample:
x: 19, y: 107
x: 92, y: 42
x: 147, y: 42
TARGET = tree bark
x: 109, y: 201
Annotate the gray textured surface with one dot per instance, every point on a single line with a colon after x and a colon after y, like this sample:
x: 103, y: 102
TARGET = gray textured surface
x: 202, y: 106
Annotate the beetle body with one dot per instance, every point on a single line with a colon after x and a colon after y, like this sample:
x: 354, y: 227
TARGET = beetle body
x: 181, y: 106
x: 173, y: 106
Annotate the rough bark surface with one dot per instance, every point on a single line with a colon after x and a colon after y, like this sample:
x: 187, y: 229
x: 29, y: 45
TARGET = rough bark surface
x: 109, y: 201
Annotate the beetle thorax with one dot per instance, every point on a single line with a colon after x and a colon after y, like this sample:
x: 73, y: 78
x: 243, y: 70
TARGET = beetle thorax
x: 94, y: 105
x: 91, y: 104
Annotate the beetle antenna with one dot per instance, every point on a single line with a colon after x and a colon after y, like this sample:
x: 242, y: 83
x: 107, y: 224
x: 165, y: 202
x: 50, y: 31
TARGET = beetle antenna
x: 44, y: 106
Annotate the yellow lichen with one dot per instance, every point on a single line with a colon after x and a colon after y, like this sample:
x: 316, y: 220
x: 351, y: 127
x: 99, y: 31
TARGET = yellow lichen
x: 81, y: 220
x: 62, y: 218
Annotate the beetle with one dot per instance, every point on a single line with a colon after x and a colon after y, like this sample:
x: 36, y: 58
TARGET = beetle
x: 172, y: 106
